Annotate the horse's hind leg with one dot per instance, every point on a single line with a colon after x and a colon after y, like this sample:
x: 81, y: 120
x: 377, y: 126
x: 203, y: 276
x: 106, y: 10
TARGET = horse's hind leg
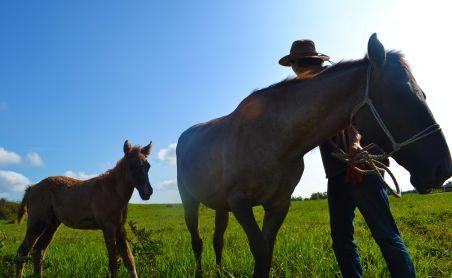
x: 191, y: 211
x: 124, y: 250
x: 221, y: 223
x: 42, y: 244
x: 34, y: 230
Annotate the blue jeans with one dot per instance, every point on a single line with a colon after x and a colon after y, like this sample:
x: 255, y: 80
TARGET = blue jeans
x: 372, y: 200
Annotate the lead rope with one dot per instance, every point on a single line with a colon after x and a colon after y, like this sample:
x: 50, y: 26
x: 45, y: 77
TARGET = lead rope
x: 373, y: 163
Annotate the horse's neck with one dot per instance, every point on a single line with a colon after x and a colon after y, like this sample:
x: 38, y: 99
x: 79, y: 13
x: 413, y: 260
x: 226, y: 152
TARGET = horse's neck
x: 117, y: 184
x: 322, y: 107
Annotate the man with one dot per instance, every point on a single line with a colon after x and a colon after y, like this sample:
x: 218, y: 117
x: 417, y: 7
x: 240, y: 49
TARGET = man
x: 348, y: 190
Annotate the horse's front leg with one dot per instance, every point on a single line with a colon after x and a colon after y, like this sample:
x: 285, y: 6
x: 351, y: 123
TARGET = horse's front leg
x: 221, y: 223
x: 273, y: 219
x: 110, y: 241
x: 243, y: 211
x: 124, y: 250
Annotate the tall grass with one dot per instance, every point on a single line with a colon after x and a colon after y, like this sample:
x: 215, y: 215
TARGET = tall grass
x: 303, y: 247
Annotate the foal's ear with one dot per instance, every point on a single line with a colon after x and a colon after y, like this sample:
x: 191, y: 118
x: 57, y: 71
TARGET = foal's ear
x: 127, y: 147
x: 147, y: 150
x: 376, y: 51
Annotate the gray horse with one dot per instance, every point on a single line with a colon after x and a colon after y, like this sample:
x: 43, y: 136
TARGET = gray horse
x: 254, y: 156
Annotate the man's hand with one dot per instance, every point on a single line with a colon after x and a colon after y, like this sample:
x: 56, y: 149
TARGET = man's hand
x: 354, y: 147
x: 354, y: 139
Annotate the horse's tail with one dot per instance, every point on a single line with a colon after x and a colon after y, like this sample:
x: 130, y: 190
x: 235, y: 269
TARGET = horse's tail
x: 23, y: 206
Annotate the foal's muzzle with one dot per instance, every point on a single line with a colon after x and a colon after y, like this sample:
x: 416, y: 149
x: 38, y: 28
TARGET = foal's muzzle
x: 146, y: 192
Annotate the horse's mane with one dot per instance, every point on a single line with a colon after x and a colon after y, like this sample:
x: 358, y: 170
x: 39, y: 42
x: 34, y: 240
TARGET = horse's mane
x: 391, y: 56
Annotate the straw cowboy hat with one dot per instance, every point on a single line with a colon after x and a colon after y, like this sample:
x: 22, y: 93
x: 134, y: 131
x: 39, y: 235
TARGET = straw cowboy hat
x: 302, y: 49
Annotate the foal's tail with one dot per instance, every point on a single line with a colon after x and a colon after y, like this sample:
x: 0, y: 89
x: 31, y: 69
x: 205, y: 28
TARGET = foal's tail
x: 23, y: 206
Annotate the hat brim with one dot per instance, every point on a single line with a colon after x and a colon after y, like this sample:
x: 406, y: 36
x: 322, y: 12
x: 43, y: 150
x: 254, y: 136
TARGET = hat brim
x: 286, y: 60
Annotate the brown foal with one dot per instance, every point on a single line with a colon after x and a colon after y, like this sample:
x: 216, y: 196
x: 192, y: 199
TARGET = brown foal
x: 99, y: 203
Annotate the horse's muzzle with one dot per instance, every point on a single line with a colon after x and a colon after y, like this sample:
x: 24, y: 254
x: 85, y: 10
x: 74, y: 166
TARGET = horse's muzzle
x: 437, y: 178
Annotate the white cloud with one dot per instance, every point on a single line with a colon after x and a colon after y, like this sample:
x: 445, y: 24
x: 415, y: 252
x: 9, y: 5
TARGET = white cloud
x: 34, y: 159
x: 79, y: 175
x: 11, y: 182
x: 167, y: 184
x: 7, y: 158
x: 168, y: 155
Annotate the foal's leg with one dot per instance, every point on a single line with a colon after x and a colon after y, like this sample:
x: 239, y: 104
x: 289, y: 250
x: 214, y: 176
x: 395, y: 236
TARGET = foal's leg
x: 34, y: 230
x: 221, y: 223
x: 243, y: 211
x: 124, y: 250
x: 191, y: 211
x: 42, y: 244
x: 273, y: 220
x: 113, y: 256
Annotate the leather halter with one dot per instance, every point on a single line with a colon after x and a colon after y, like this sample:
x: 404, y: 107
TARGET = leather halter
x: 374, y: 161
x: 396, y: 146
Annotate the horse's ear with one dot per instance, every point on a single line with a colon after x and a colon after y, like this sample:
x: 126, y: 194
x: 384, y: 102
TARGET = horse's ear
x: 376, y: 52
x: 127, y: 147
x: 147, y: 150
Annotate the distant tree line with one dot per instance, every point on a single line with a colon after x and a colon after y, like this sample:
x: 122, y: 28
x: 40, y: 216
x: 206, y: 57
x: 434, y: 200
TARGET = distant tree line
x: 8, y: 210
x: 323, y: 195
x: 314, y: 196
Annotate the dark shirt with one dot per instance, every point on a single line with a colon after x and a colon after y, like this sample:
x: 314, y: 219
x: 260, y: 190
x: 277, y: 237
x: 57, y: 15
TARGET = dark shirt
x: 332, y: 165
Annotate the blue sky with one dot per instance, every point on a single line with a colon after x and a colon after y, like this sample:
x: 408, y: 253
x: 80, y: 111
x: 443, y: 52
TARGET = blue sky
x: 78, y: 78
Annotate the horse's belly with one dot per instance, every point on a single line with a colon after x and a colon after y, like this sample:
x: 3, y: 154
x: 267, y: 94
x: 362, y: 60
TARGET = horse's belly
x: 210, y: 192
x: 88, y: 223
x: 78, y: 221
x: 75, y: 212
x: 276, y: 188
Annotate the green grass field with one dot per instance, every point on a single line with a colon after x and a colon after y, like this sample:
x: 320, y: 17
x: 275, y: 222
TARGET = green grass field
x: 303, y: 247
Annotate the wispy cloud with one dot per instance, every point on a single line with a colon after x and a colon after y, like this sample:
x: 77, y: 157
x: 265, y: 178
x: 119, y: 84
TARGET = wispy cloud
x: 167, y: 184
x: 80, y: 175
x: 8, y: 158
x: 12, y: 182
x: 168, y: 155
x: 34, y: 159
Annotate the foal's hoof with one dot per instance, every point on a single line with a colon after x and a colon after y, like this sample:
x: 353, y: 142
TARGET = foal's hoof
x: 218, y: 270
x: 198, y: 273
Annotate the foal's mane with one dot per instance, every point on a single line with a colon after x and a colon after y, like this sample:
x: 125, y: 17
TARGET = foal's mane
x: 392, y: 56
x: 118, y: 169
